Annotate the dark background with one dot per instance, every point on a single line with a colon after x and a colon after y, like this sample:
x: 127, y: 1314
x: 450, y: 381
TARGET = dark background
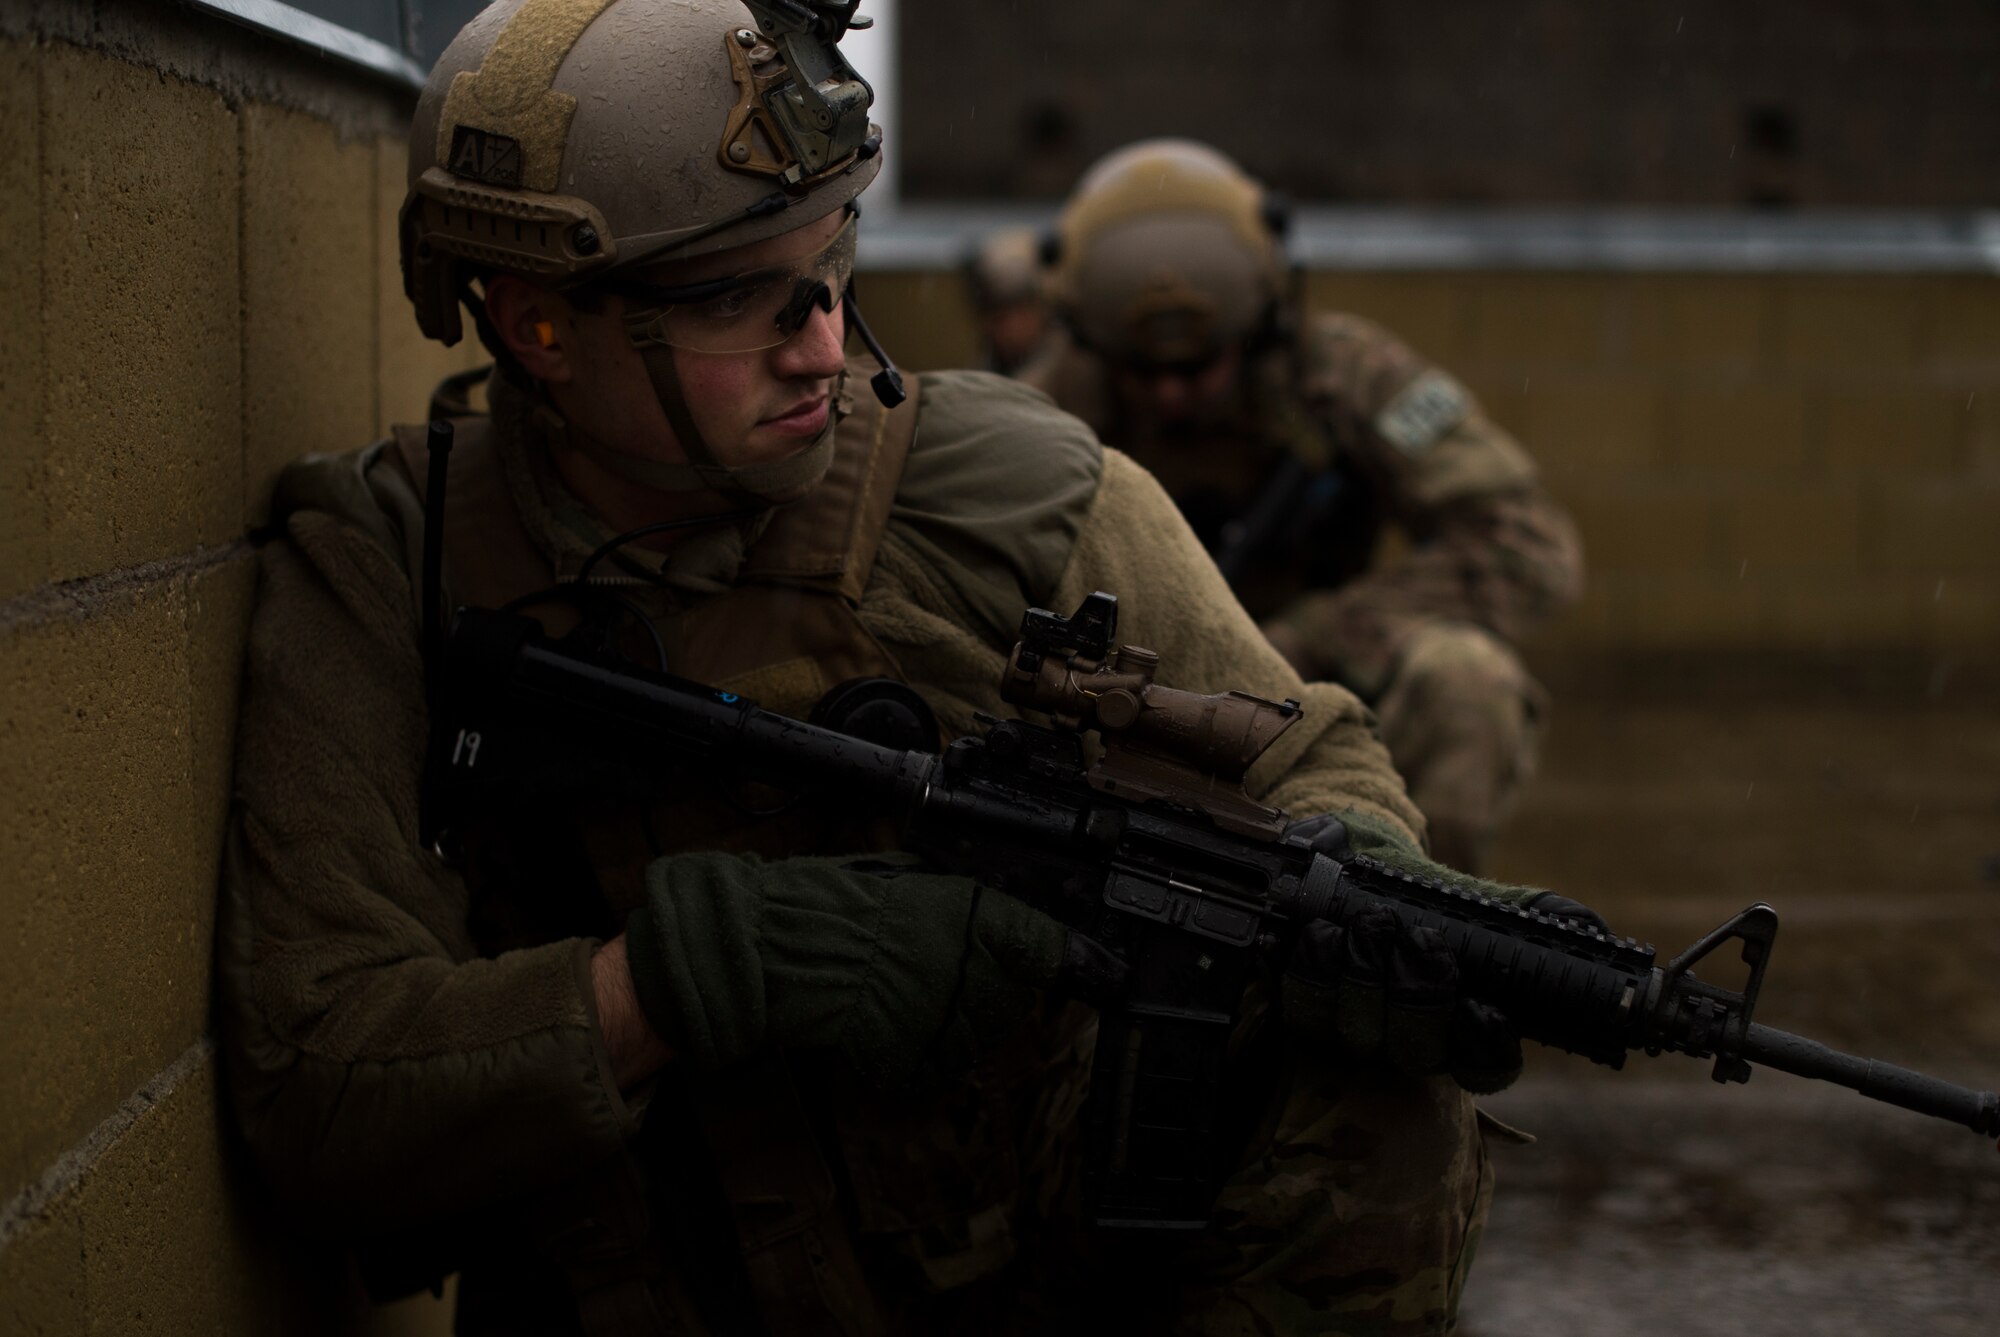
x: 1659, y: 102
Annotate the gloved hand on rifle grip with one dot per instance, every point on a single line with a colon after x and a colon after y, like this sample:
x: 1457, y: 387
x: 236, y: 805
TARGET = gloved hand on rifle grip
x: 1384, y: 990
x: 902, y: 971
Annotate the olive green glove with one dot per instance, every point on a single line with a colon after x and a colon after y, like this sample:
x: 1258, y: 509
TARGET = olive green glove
x: 902, y: 971
x: 1384, y: 990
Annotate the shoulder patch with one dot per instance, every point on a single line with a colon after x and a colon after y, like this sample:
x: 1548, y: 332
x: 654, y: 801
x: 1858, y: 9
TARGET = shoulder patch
x: 1422, y: 412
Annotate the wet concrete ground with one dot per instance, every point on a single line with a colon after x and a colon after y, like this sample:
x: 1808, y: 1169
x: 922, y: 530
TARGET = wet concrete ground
x: 1660, y: 1202
x: 1657, y: 1207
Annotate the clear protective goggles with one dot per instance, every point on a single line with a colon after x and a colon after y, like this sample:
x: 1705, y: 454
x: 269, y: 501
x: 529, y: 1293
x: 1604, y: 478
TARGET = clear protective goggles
x: 742, y: 312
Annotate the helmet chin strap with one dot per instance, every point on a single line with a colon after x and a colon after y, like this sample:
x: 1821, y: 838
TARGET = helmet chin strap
x: 766, y: 483
x: 763, y: 484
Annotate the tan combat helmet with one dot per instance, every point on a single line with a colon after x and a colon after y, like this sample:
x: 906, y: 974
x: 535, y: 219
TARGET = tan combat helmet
x: 1004, y: 281
x: 562, y: 139
x: 576, y: 142
x: 1167, y: 253
x: 1005, y: 268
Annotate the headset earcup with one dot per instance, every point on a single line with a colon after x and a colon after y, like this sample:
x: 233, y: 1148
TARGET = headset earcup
x: 1276, y: 208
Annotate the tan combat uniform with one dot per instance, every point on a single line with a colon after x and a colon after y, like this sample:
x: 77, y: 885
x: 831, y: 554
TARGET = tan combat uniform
x: 413, y: 1051
x: 1428, y: 637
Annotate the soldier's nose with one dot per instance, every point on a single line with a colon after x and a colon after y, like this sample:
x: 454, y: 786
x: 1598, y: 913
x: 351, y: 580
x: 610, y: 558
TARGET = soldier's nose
x: 814, y: 350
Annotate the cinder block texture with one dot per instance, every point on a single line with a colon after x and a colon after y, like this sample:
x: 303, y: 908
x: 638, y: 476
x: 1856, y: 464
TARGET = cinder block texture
x: 1796, y: 529
x: 153, y: 1222
x: 1595, y: 427
x: 408, y: 366
x: 1964, y: 615
x: 1888, y: 430
x: 117, y: 734
x: 1684, y: 322
x: 1673, y: 610
x: 1654, y: 529
x: 1980, y: 416
x: 1543, y: 320
x: 1746, y: 429
x: 309, y: 238
x: 141, y: 314
x: 1938, y: 529
x: 1857, y: 614
x: 1584, y: 625
x: 173, y: 1235
x: 1863, y: 324
x: 1962, y: 324
x: 153, y: 1226
x: 219, y: 601
x: 41, y: 1278
x: 24, y: 509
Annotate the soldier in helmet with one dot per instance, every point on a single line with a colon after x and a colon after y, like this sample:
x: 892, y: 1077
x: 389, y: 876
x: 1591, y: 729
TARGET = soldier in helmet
x: 1289, y: 439
x: 1003, y: 279
x: 683, y: 1062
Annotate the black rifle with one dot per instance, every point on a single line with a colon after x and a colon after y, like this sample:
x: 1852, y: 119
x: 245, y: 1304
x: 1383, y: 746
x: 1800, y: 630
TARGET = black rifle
x: 1323, y: 523
x: 1274, y: 511
x: 1154, y: 850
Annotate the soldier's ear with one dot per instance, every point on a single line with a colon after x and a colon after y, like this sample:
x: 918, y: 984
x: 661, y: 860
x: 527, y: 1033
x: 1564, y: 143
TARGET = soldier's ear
x: 530, y: 321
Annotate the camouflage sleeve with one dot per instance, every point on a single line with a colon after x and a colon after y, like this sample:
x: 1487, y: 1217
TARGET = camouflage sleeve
x: 1489, y: 545
x: 1171, y: 599
x: 367, y: 1047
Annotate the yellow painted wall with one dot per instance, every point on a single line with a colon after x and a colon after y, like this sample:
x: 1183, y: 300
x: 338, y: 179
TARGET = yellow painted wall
x: 1757, y: 463
x: 200, y: 286
x: 1803, y: 463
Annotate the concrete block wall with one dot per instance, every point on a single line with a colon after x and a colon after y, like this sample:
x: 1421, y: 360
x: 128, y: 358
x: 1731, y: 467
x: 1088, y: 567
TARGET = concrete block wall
x: 200, y: 272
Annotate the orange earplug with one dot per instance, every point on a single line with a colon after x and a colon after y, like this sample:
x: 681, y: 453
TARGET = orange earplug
x: 545, y: 332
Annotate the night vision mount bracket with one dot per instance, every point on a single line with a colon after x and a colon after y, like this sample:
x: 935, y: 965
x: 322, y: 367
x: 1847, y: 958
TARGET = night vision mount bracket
x: 822, y: 111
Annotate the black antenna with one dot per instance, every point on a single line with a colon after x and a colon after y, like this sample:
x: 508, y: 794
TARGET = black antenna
x: 438, y: 443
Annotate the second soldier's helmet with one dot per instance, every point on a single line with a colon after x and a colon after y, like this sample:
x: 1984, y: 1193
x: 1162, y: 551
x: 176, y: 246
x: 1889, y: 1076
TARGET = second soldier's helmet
x: 1005, y: 269
x: 1167, y: 253
x: 562, y: 140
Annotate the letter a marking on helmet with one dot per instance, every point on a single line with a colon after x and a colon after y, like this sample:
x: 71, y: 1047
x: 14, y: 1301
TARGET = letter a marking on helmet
x: 490, y: 158
x: 512, y: 95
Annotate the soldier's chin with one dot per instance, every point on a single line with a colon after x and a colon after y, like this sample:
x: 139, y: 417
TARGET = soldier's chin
x: 786, y: 495
x: 799, y: 466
